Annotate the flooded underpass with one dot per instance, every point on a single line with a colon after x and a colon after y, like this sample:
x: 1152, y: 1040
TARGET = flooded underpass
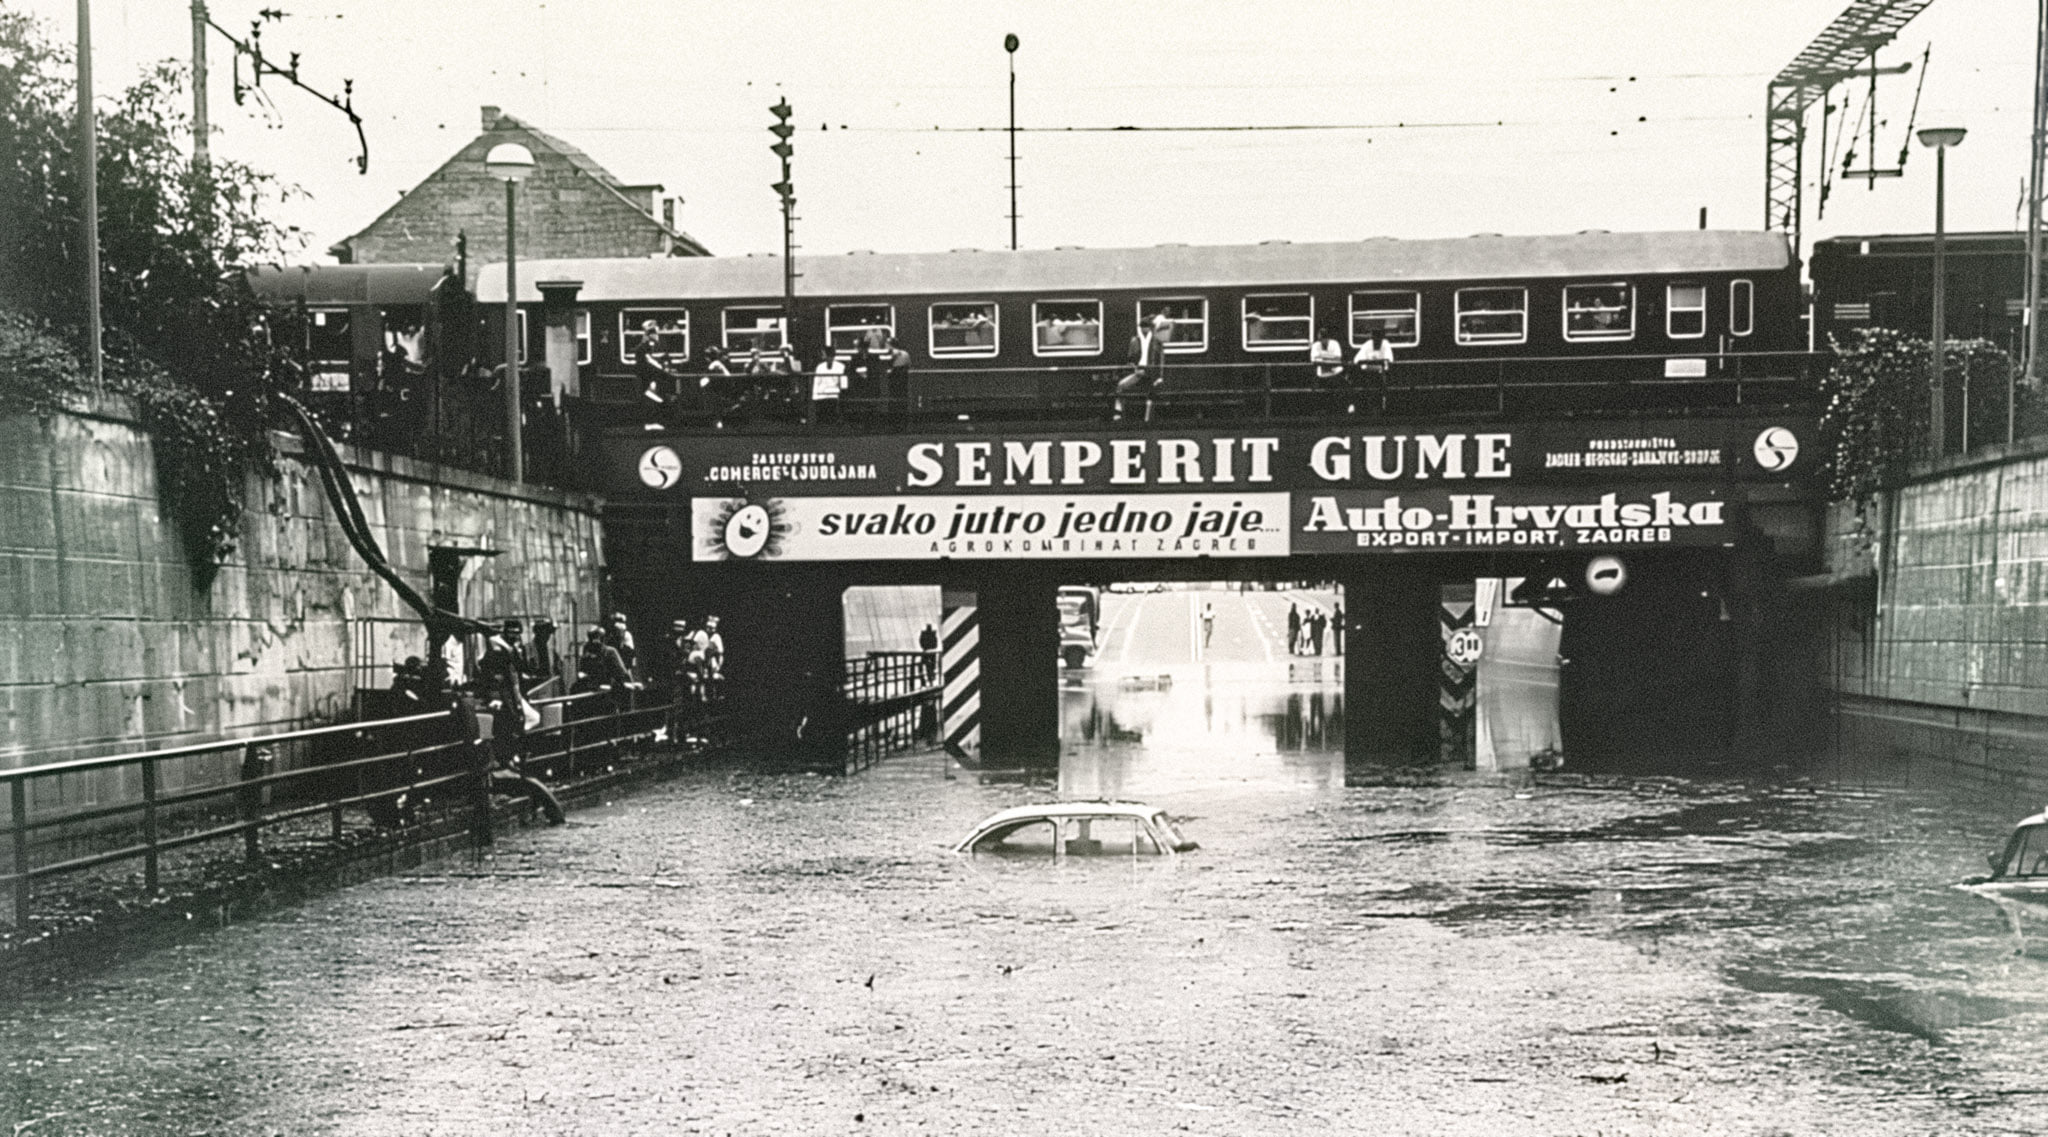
x: 1347, y: 951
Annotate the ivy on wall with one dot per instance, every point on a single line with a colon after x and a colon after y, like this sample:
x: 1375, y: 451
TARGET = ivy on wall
x: 1877, y: 407
x: 183, y: 334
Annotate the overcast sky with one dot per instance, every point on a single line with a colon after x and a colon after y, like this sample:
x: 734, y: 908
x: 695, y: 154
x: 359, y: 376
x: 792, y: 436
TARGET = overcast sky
x: 1534, y: 117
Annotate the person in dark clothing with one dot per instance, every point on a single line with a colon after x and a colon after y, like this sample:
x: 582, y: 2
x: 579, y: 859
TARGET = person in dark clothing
x: 599, y: 668
x: 1293, y: 629
x: 1337, y: 629
x: 928, y: 643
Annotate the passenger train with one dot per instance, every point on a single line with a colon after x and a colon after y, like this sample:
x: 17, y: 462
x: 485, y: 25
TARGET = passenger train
x: 1484, y: 325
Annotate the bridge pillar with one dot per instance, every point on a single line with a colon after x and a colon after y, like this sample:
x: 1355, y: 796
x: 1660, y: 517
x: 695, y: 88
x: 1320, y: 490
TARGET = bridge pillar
x: 1020, y: 695
x: 1392, y: 654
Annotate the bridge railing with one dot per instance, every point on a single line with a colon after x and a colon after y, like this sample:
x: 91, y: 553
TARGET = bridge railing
x: 156, y: 807
x: 1501, y: 387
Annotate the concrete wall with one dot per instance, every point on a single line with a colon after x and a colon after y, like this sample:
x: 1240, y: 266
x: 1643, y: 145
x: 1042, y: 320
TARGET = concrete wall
x: 1934, y: 642
x: 105, y: 644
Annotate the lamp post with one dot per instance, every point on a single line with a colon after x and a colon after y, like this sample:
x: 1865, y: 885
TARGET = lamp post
x: 1941, y: 138
x: 512, y: 162
x: 1010, y: 43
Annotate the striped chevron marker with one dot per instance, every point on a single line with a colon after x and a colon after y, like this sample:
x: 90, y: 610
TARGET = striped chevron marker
x: 1458, y: 682
x: 960, y: 664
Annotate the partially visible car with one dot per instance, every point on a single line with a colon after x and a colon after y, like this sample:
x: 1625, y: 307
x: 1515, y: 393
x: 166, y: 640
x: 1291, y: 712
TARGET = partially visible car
x: 2018, y: 883
x: 1078, y: 829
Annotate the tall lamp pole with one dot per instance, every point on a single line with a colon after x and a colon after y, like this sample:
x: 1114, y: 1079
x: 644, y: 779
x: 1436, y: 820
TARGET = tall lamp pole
x: 1941, y: 138
x: 1010, y: 43
x: 512, y: 162
x: 89, y: 196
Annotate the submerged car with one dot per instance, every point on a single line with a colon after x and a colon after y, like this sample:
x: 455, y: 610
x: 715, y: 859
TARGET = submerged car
x: 2018, y: 883
x: 1078, y: 829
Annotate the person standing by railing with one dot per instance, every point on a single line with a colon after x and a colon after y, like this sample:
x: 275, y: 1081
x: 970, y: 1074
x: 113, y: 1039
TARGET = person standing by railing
x: 1148, y: 365
x: 1326, y: 361
x: 1375, y: 359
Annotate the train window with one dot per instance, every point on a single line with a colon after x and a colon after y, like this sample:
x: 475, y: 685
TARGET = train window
x: 1279, y: 321
x: 1190, y: 317
x: 1741, y: 307
x: 753, y: 329
x: 671, y: 331
x: 1396, y: 315
x: 1599, y: 312
x: 1685, y: 311
x: 848, y: 324
x: 1066, y: 327
x: 583, y: 336
x: 967, y: 328
x: 1493, y: 315
x: 330, y: 348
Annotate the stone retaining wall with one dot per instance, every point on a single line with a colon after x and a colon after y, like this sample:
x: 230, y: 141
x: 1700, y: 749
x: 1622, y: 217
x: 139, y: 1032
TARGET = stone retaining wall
x: 106, y: 644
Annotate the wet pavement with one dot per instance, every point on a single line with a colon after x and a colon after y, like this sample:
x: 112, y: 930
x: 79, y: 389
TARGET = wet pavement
x: 1348, y: 951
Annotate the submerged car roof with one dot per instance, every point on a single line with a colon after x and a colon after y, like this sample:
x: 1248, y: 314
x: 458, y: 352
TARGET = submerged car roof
x: 1068, y: 808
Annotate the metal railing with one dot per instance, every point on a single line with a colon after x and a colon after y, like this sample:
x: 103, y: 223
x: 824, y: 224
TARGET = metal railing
x: 237, y: 789
x: 895, y: 696
x: 1499, y: 387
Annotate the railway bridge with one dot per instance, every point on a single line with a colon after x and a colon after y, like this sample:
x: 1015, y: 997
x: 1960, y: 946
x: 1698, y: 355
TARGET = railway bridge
x: 1658, y: 541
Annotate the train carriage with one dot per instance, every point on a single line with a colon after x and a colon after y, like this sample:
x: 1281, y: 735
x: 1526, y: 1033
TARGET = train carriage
x: 1485, y: 325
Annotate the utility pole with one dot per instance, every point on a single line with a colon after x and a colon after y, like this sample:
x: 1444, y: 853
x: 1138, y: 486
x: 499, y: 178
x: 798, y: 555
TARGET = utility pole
x: 786, y: 190
x: 89, y: 186
x: 2034, y: 188
x: 201, y: 144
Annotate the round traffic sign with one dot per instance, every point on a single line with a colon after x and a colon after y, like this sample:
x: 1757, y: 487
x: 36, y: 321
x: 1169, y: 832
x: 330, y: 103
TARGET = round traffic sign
x: 1463, y: 647
x: 1605, y: 575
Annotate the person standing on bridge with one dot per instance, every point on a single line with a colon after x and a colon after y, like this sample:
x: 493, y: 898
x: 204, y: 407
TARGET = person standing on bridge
x: 1148, y: 364
x: 1326, y: 358
x: 1374, y: 360
x: 827, y: 383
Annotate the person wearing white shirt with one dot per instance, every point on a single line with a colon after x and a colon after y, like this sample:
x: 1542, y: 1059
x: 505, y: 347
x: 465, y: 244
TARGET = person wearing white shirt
x: 1326, y: 359
x: 827, y: 382
x: 1374, y: 359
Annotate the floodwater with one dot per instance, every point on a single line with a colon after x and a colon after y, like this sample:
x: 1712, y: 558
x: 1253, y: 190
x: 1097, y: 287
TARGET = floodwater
x: 1346, y: 952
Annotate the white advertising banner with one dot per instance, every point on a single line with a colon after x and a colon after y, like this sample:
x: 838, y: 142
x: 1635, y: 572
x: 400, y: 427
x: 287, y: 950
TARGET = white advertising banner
x: 993, y: 527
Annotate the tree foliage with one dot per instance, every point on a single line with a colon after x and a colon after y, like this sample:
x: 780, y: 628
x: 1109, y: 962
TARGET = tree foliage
x: 184, y: 336
x: 1875, y: 423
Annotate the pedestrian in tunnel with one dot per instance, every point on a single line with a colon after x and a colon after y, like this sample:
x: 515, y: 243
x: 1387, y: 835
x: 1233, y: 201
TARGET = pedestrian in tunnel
x: 1317, y: 621
x: 1208, y: 622
x: 1337, y: 629
x: 1293, y: 629
x: 928, y: 644
x: 714, y: 661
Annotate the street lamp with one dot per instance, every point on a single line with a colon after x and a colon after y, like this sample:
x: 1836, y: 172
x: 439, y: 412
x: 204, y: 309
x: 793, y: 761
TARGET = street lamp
x: 1010, y: 43
x: 1941, y: 138
x: 512, y: 162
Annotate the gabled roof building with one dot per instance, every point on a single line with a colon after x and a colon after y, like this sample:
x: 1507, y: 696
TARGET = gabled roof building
x: 568, y: 207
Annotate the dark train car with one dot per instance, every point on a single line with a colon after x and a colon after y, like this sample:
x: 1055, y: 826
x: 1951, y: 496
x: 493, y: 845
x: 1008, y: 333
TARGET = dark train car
x: 1481, y: 324
x: 1888, y: 282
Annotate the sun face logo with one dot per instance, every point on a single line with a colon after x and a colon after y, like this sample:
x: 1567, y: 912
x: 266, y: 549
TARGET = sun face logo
x: 1776, y: 449
x: 743, y: 530
x: 660, y: 467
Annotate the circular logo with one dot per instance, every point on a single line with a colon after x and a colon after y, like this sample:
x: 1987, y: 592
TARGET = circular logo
x: 746, y: 531
x: 1605, y: 575
x: 1463, y: 647
x: 1776, y: 449
x: 660, y: 467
